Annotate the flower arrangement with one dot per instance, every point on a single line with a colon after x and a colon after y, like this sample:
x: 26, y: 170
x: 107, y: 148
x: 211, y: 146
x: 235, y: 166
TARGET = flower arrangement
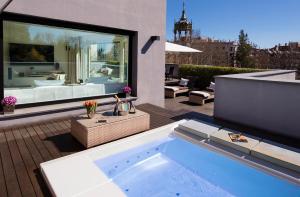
x: 91, y: 107
x: 127, y: 90
x: 9, y: 101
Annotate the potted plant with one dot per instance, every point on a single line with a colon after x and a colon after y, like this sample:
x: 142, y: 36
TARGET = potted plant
x: 127, y: 91
x: 8, y: 104
x: 91, y: 107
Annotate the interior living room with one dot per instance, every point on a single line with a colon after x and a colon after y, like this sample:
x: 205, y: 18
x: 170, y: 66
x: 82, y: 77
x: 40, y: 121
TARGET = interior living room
x: 44, y: 63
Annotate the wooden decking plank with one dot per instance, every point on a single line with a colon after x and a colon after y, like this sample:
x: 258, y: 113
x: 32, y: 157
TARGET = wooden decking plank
x: 12, y: 184
x: 39, y: 144
x: 30, y: 165
x: 3, y: 190
x: 67, y: 125
x: 37, y: 158
x: 65, y: 140
x: 58, y: 128
x: 43, y: 134
x: 22, y: 175
x: 64, y: 126
x: 44, y: 138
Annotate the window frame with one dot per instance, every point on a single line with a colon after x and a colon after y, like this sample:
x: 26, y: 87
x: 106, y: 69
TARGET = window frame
x: 63, y: 24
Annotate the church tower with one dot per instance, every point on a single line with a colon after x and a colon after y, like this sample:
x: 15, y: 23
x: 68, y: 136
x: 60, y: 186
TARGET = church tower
x: 183, y: 29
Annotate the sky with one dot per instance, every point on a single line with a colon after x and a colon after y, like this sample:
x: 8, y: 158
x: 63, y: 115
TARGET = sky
x: 267, y: 22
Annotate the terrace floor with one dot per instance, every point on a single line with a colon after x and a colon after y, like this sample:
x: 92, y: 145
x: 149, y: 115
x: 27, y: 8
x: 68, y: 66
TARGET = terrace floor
x: 182, y: 103
x: 23, y: 148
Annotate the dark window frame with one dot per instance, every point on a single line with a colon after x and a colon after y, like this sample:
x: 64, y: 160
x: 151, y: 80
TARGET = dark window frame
x: 64, y: 24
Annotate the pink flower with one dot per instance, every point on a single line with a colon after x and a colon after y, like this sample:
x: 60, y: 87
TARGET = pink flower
x: 9, y: 100
x: 127, y: 89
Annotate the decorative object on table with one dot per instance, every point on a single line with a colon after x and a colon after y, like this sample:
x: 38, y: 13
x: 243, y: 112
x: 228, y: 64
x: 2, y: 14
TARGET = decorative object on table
x: 131, y: 108
x: 121, y: 107
x: 8, y: 104
x: 91, y: 107
x: 127, y: 90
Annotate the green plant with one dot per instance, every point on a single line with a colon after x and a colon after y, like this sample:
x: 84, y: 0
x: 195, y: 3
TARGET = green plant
x: 201, y: 76
x: 243, y: 54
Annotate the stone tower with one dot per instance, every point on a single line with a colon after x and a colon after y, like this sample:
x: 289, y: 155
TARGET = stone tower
x: 183, y: 29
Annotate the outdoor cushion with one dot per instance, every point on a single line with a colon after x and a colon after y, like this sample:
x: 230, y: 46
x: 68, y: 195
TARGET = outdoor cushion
x: 174, y: 88
x: 200, y: 93
x: 212, y: 86
x: 198, y: 128
x: 183, y: 82
x: 222, y: 137
x: 183, y: 88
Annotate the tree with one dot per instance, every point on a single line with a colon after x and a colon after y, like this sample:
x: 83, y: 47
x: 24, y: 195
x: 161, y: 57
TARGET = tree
x: 243, y: 54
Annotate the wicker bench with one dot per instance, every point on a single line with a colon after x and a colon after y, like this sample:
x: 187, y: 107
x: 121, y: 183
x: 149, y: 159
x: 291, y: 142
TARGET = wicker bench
x: 91, y: 133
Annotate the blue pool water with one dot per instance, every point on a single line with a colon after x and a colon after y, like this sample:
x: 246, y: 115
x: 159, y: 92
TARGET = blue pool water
x: 176, y: 167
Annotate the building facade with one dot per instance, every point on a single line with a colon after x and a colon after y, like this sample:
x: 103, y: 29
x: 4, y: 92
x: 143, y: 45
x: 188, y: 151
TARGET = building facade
x: 214, y: 52
x: 285, y: 56
x: 57, y: 51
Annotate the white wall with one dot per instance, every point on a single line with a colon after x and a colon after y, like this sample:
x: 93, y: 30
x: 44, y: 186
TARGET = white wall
x: 260, y: 102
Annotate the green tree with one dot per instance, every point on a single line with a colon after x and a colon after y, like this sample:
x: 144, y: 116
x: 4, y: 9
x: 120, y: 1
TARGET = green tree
x: 243, y: 54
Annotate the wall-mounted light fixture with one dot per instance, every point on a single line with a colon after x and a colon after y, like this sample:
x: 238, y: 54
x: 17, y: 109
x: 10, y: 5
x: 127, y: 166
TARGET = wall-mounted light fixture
x: 155, y: 38
x: 149, y: 43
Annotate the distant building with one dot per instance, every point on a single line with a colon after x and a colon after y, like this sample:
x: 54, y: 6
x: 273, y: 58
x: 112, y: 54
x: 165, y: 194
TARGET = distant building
x: 214, y: 52
x: 285, y: 56
x: 183, y: 29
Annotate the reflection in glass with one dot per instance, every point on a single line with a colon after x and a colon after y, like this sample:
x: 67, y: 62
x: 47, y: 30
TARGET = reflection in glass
x: 43, y: 63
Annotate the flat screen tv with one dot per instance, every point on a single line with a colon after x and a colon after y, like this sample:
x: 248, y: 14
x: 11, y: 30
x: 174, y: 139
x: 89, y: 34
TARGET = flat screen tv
x: 28, y: 54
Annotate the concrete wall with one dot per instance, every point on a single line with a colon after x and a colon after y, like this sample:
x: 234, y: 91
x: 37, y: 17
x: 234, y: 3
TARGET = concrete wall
x: 260, y: 102
x: 147, y: 18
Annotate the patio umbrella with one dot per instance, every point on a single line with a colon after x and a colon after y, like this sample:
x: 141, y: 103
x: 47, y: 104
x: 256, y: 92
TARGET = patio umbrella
x: 171, y: 47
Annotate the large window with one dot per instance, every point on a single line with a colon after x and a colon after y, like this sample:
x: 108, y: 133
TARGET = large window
x: 45, y: 63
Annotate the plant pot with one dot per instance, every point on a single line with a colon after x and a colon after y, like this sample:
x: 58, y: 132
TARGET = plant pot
x: 8, y: 109
x: 91, y: 114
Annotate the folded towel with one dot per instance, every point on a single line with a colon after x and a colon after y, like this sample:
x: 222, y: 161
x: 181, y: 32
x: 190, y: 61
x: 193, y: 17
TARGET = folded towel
x: 174, y: 88
x: 237, y: 137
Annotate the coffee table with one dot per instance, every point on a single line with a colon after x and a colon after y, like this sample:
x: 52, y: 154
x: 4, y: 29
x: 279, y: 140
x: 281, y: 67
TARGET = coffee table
x: 90, y: 132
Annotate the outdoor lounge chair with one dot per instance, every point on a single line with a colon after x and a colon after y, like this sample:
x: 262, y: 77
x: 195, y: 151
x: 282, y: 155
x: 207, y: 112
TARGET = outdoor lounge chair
x: 201, y: 97
x: 182, y: 87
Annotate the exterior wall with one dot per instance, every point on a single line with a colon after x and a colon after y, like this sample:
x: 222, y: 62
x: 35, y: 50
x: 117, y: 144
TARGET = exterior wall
x: 267, y: 104
x: 129, y: 15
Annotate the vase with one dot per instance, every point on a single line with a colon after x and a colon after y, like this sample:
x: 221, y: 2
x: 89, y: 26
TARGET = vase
x: 8, y: 109
x: 91, y: 114
x: 128, y: 95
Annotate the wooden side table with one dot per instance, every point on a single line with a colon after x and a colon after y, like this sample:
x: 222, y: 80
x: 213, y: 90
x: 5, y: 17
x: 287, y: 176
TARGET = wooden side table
x: 90, y: 132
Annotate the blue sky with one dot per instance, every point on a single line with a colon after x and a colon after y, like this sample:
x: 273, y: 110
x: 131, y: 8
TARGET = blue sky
x: 267, y: 22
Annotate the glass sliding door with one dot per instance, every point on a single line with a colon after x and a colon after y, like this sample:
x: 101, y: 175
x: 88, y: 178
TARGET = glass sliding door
x: 45, y: 63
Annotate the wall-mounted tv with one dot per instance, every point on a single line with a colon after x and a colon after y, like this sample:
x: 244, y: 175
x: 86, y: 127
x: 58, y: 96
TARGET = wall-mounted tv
x: 31, y: 54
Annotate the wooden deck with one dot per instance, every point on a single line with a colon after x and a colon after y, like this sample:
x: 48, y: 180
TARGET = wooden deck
x: 23, y: 148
